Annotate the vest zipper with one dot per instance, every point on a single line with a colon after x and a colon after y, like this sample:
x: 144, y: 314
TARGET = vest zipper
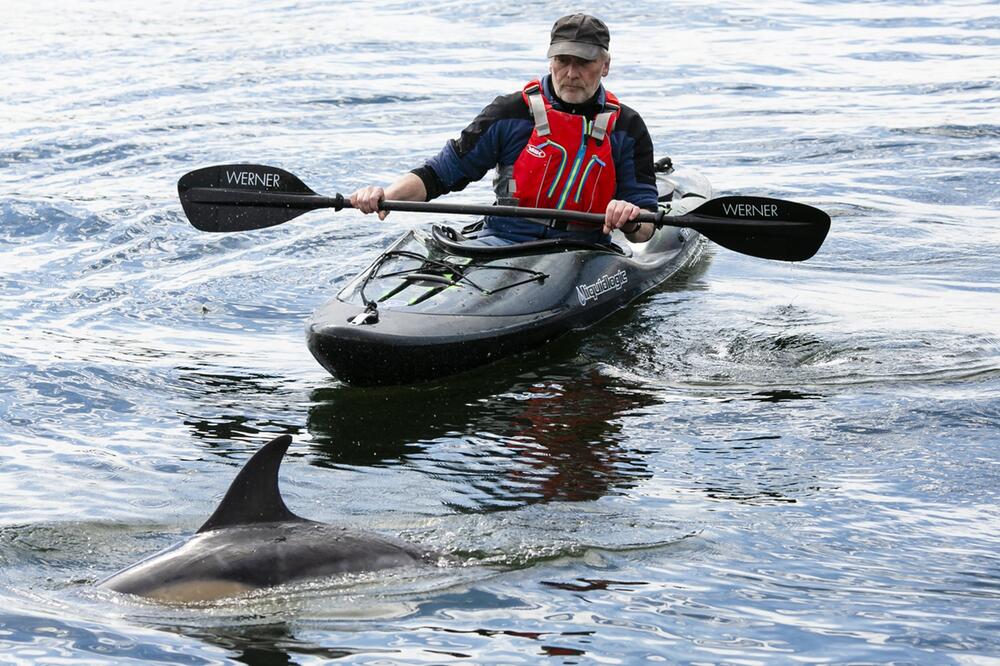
x: 576, y: 165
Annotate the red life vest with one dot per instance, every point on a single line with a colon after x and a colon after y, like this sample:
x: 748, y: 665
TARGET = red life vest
x: 567, y: 161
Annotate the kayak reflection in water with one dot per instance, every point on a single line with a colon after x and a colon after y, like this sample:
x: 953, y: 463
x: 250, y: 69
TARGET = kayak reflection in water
x: 561, y: 142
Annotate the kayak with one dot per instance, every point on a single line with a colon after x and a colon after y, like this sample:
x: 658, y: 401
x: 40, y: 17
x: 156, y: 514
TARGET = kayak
x: 437, y: 303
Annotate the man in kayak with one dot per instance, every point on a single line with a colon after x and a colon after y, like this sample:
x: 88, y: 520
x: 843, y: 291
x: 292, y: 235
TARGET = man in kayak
x: 561, y: 142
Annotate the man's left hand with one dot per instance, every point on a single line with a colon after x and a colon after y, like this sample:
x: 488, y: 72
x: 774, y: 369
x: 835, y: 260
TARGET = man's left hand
x: 618, y: 214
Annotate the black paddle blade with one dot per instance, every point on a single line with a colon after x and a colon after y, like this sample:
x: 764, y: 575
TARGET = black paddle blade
x: 241, y: 197
x: 762, y: 227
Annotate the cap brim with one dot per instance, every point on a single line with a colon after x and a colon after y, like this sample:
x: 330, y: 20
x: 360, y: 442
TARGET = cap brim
x: 578, y: 49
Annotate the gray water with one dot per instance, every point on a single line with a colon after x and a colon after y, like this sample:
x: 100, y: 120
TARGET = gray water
x: 760, y: 463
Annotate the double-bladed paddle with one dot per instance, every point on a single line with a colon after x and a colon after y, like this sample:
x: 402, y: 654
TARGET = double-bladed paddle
x: 242, y: 197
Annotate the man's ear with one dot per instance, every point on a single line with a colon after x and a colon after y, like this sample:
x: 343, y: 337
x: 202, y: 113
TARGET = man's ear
x: 607, y: 66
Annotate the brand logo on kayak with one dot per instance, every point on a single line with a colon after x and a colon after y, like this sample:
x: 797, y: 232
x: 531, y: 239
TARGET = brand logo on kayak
x: 535, y: 150
x: 604, y: 284
x: 251, y: 179
x: 750, y: 210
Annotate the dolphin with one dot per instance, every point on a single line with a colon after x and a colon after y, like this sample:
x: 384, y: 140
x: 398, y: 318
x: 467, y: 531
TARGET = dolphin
x: 253, y: 541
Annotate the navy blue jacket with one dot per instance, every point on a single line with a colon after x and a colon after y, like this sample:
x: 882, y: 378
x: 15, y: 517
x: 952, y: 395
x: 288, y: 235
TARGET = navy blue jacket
x: 499, y: 133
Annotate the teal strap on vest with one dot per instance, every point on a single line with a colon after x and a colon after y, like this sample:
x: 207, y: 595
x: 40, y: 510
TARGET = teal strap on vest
x: 538, y: 111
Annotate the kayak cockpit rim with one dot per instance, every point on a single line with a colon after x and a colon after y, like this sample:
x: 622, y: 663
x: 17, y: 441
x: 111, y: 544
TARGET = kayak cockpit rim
x: 455, y: 243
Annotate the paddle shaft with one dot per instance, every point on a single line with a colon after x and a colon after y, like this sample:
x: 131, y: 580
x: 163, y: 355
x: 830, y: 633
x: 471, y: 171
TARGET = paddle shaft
x: 223, y: 196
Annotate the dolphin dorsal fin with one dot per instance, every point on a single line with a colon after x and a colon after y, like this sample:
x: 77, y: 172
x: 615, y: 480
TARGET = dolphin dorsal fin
x: 253, y: 496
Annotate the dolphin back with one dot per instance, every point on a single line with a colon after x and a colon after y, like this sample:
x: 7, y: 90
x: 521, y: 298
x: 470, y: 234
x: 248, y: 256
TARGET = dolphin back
x: 229, y: 562
x: 254, y: 497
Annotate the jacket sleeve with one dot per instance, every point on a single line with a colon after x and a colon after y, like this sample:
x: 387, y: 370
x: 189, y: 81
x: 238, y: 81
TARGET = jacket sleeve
x: 495, y: 137
x: 632, y: 151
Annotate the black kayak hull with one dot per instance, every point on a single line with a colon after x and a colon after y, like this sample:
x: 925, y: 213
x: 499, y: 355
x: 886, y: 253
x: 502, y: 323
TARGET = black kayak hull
x: 431, y: 306
x: 364, y: 359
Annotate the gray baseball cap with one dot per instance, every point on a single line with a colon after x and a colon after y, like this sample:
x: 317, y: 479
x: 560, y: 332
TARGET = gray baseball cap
x: 579, y: 35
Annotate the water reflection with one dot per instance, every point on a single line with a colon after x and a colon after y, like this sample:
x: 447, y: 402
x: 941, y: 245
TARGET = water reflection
x: 503, y: 438
x: 230, y: 427
x: 554, y: 434
x: 221, y: 402
x: 270, y: 645
x: 783, y: 395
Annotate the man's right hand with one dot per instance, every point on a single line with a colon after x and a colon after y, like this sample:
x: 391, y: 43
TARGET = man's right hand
x: 407, y: 187
x: 367, y: 200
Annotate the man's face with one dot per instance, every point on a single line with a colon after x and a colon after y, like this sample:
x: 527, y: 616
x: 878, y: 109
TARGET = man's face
x: 575, y: 79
